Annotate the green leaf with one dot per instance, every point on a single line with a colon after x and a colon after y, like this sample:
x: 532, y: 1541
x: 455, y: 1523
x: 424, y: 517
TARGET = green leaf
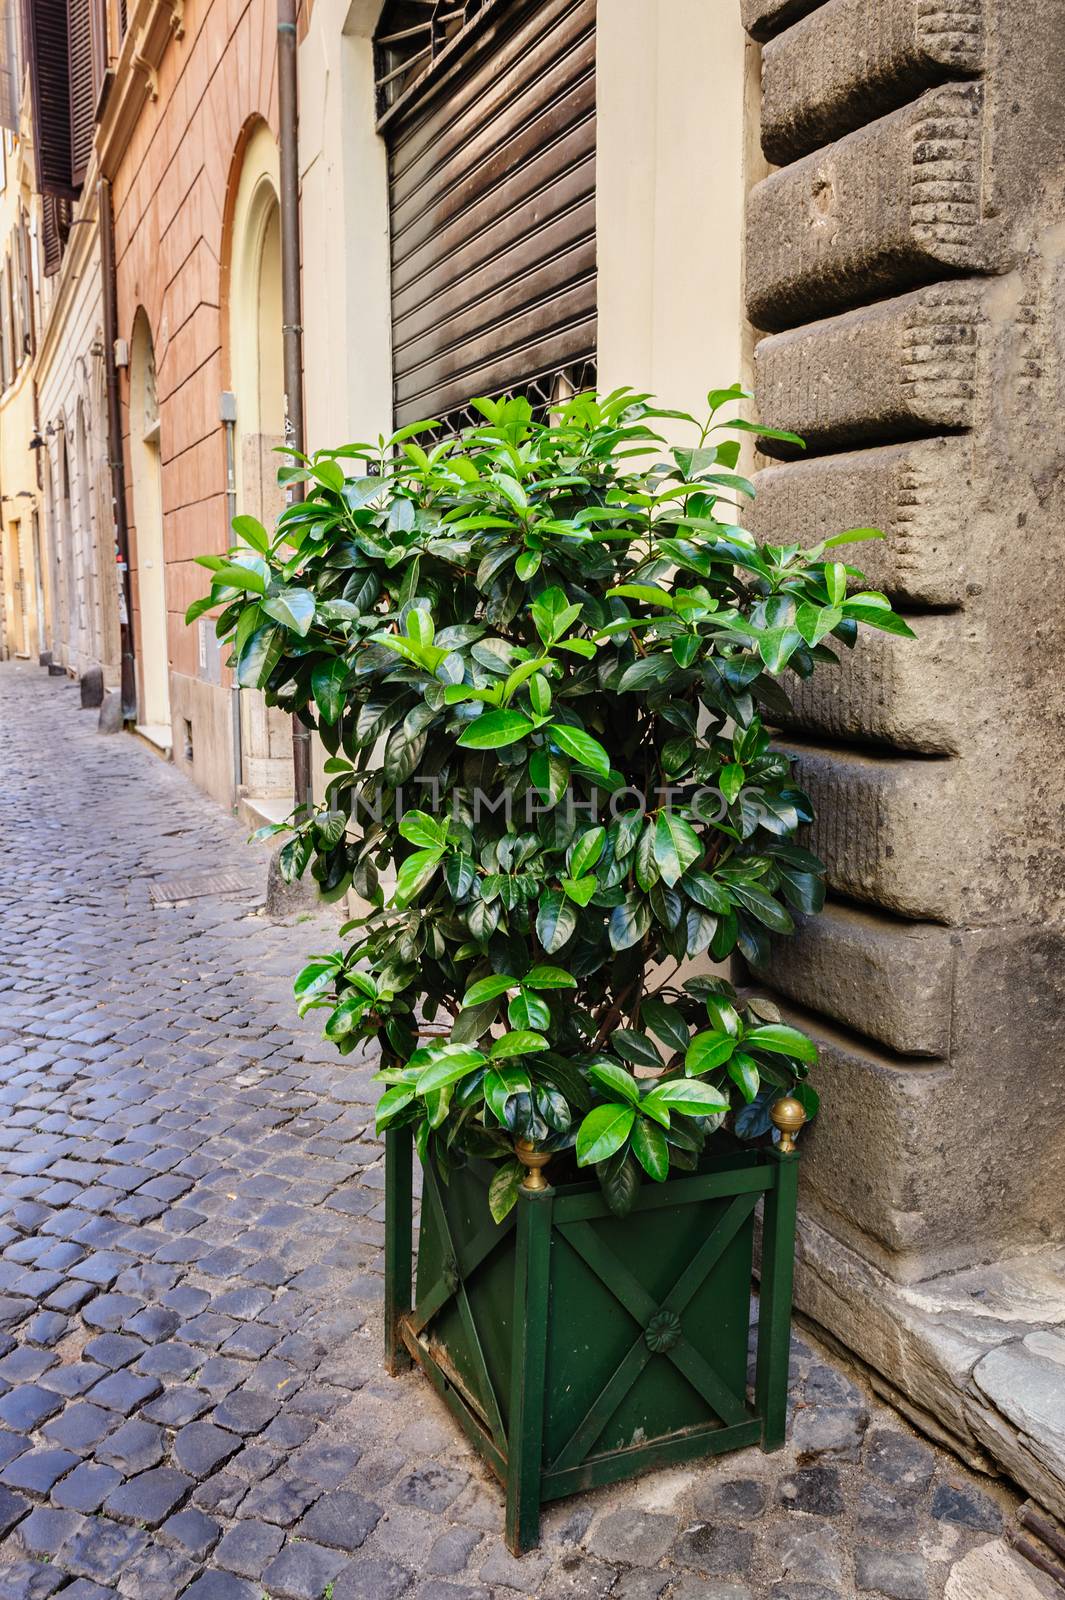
x: 501, y: 1084
x: 238, y: 576
x: 693, y: 1098
x: 406, y: 745
x: 743, y: 1071
x: 489, y: 988
x: 251, y: 530
x: 494, y: 730
x: 527, y: 1010
x: 198, y: 607
x: 293, y: 608
x: 707, y: 1051
x: 414, y: 874
x: 449, y: 1063
x: 877, y: 617
x: 706, y: 892
x: 762, y: 905
x: 730, y: 781
x: 555, y: 921
x: 836, y: 582
x: 391, y: 1103
x: 650, y: 1149
x: 473, y: 1021
x: 666, y: 1023
x: 327, y: 685
x: 580, y: 890
x: 520, y: 1043
x: 422, y: 830
x: 781, y: 1041
x: 618, y: 1083
x: 541, y: 977
x: 628, y: 922
x: 260, y: 656
x: 581, y: 746
x: 503, y: 1189
x: 603, y: 1131
x: 634, y: 1046
x: 676, y: 846
x: 549, y: 774
x: 619, y: 1179
x: 586, y: 851
x: 853, y: 536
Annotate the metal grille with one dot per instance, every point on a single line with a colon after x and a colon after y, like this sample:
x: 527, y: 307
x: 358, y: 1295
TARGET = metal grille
x: 544, y: 392
x: 412, y: 36
x: 198, y: 884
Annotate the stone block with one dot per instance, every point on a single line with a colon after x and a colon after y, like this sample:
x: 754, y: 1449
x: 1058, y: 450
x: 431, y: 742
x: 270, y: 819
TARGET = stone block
x: 92, y: 688
x: 912, y: 694
x: 893, y: 1165
x: 890, y: 830
x: 914, y: 493
x: 887, y: 979
x: 763, y: 18
x: 900, y: 367
x: 895, y: 204
x: 852, y: 60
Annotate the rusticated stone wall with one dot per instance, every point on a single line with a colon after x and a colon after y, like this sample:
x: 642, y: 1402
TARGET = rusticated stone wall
x: 906, y: 264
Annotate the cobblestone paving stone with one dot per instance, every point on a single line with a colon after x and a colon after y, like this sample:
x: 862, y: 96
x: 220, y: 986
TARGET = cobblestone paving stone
x: 192, y: 1399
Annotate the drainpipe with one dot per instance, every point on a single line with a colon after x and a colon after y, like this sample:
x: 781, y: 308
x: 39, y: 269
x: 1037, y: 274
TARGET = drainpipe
x: 114, y: 444
x: 292, y: 328
x: 228, y: 412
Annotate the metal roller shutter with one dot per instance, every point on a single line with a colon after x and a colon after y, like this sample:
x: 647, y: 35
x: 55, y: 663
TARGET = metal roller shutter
x: 492, y: 205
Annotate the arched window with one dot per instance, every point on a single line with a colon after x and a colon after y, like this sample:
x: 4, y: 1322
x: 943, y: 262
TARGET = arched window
x: 488, y: 110
x: 255, y: 327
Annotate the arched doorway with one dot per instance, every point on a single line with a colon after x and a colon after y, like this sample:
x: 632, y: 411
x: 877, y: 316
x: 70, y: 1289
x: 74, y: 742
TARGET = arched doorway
x: 256, y: 363
x: 152, y: 654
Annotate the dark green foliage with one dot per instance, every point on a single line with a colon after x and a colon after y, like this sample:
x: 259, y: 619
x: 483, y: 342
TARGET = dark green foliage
x: 541, y: 659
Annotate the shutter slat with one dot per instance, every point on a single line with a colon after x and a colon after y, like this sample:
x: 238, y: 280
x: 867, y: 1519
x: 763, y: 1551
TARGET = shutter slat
x: 82, y: 92
x: 554, y: 142
x: 492, y: 213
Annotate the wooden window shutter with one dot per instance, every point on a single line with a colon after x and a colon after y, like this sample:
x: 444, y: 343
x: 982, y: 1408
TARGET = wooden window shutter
x: 82, y: 90
x: 491, y: 164
x: 56, y: 219
x: 25, y: 263
x: 44, y: 31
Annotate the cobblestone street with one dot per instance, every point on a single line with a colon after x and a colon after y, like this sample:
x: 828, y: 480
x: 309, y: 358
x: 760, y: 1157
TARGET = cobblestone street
x: 192, y: 1397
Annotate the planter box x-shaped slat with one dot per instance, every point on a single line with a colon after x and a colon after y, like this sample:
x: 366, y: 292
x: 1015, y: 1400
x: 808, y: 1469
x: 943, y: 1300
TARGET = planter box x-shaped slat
x: 635, y: 1326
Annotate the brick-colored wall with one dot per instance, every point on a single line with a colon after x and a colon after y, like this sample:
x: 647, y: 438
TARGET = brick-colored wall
x: 172, y: 193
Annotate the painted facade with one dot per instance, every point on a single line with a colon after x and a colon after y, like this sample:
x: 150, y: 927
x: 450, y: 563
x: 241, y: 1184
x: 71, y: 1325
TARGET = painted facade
x: 187, y: 141
x: 24, y: 583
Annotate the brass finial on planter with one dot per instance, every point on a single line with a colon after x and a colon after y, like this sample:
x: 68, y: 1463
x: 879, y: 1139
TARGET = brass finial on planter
x: 789, y: 1116
x: 533, y: 1161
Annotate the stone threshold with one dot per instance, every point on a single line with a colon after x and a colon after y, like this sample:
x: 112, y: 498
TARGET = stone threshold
x: 975, y: 1359
x: 158, y: 736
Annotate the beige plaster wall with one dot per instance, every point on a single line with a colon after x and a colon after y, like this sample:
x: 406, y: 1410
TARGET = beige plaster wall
x: 671, y: 176
x: 346, y: 319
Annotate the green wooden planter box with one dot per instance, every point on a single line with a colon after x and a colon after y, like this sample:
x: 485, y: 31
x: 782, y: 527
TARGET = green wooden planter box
x: 576, y: 1348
